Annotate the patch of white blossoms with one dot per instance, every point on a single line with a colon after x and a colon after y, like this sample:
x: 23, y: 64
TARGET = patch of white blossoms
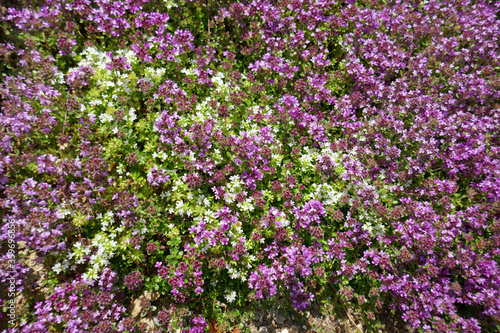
x: 230, y: 296
x: 326, y: 194
x: 97, y: 254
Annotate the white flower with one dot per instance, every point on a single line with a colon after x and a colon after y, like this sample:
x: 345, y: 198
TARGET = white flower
x: 57, y: 268
x: 131, y: 115
x: 59, y: 77
x: 105, y: 118
x: 283, y: 222
x: 231, y: 296
x: 95, y: 102
x: 120, y: 169
x: 307, y: 158
x: 90, y: 276
x: 179, y: 204
x: 246, y: 206
x: 80, y: 261
x: 170, y: 4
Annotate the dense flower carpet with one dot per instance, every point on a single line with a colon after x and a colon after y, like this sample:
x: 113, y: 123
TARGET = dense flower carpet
x: 221, y: 155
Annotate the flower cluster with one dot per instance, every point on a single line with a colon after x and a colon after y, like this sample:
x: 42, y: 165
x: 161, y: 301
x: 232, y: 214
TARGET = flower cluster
x: 243, y: 151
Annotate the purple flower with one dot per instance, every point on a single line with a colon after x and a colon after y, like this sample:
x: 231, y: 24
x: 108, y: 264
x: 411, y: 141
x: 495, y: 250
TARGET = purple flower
x: 133, y: 281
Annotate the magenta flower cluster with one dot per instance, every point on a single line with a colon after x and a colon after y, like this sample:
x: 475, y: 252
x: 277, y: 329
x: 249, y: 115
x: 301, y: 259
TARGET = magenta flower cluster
x: 342, y: 152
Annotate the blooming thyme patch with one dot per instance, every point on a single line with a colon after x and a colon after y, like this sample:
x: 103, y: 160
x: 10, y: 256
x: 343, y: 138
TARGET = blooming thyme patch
x: 238, y: 153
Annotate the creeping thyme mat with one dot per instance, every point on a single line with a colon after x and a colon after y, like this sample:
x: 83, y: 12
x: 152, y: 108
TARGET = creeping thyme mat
x: 178, y: 166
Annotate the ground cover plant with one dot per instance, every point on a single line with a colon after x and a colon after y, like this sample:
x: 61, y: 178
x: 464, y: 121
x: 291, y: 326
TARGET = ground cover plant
x: 230, y: 153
